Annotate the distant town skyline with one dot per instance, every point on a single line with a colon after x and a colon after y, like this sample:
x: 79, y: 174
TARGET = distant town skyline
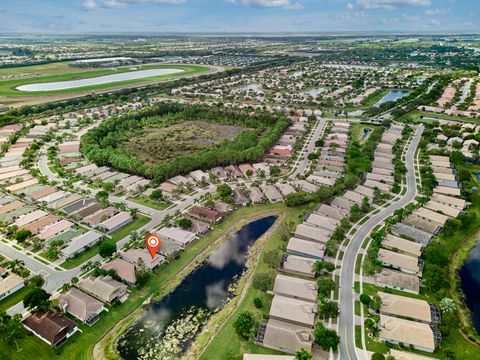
x: 247, y: 16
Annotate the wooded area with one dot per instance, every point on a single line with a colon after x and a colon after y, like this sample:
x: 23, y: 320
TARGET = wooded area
x: 102, y: 144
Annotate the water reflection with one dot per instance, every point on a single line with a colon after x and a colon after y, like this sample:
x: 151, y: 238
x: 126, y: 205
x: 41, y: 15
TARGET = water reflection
x: 170, y: 325
x: 470, y: 278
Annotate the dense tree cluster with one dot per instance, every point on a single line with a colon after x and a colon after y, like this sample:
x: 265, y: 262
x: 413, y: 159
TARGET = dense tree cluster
x: 102, y: 144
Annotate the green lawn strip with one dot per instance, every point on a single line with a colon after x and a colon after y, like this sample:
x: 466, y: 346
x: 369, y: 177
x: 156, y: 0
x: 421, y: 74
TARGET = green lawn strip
x: 371, y: 289
x: 358, y: 336
x: 8, y: 88
x: 15, y: 298
x: 226, y: 344
x: 42, y: 260
x: 145, y: 201
x: 140, y: 221
x: 80, y: 346
x: 358, y: 263
x: 358, y: 305
x: 375, y: 346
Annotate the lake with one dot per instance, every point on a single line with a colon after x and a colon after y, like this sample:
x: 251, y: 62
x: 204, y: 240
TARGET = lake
x: 393, y: 95
x: 170, y: 325
x: 106, y: 79
x: 470, y: 281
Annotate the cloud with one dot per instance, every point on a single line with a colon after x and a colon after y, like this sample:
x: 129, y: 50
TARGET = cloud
x: 285, y: 4
x: 431, y: 12
x: 350, y: 6
x: 390, y: 4
x: 119, y: 4
x: 435, y: 22
x: 89, y: 5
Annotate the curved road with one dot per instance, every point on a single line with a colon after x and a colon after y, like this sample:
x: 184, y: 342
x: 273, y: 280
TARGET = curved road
x: 346, y: 325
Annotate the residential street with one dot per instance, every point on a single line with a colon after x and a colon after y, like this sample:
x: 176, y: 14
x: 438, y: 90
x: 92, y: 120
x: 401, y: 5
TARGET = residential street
x: 346, y: 325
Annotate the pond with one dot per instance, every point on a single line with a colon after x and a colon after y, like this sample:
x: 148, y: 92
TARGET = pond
x: 250, y: 87
x: 99, y: 80
x: 365, y: 133
x: 170, y: 325
x: 392, y: 95
x: 314, y: 92
x: 470, y: 278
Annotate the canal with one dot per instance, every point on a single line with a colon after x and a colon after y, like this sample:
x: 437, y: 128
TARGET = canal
x: 470, y: 279
x: 170, y: 325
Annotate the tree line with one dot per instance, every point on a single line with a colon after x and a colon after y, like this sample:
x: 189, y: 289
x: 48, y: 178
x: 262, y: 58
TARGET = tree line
x: 102, y: 144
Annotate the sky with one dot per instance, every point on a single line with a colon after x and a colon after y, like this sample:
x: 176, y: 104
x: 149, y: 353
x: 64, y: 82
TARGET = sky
x: 233, y: 16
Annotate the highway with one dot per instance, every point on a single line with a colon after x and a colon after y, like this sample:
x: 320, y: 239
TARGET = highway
x: 346, y: 325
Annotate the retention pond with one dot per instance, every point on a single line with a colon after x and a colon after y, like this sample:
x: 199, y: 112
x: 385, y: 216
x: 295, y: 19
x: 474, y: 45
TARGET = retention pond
x: 99, y: 80
x: 170, y: 325
x: 470, y: 278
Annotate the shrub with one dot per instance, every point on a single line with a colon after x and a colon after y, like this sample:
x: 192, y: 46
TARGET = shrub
x: 365, y: 299
x: 243, y: 324
x: 258, y: 302
x: 264, y: 281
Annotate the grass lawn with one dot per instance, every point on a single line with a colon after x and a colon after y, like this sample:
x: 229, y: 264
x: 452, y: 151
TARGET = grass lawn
x: 80, y: 346
x: 8, y: 87
x: 145, y: 201
x: 358, y: 336
x: 357, y: 132
x: 15, y: 298
x: 118, y: 235
x: 226, y: 344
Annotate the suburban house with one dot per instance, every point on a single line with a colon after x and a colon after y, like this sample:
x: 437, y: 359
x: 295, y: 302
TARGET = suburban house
x: 9, y: 283
x: 398, y: 280
x: 124, y: 270
x: 176, y: 234
x: 297, y: 265
x: 103, y: 288
x: 81, y: 305
x: 116, y: 222
x: 52, y: 327
x: 296, y: 288
x: 293, y: 311
x: 409, y: 333
x: 205, y: 214
x: 134, y: 256
x: 306, y: 248
x: 285, y: 337
x: 81, y: 242
x: 405, y: 307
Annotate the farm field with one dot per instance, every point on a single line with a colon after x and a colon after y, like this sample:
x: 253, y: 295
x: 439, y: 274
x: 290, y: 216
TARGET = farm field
x: 9, y: 87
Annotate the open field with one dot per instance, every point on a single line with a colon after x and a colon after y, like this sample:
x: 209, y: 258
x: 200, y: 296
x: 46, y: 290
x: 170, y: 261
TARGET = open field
x: 154, y: 145
x: 9, y: 87
x: 31, y: 71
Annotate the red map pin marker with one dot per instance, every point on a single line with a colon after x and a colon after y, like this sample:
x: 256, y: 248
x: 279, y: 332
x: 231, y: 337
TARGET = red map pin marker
x: 153, y: 243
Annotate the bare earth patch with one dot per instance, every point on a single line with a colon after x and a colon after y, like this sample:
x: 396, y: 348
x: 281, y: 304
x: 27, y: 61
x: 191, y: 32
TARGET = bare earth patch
x: 156, y: 145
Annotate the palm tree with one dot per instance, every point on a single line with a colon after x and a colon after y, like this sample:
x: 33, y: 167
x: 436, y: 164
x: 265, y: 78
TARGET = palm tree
x: 318, y: 267
x: 303, y: 354
x: 15, y: 265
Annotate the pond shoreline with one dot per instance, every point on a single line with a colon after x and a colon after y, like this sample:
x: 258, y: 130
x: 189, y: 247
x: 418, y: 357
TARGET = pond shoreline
x: 104, y: 349
x: 458, y: 258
